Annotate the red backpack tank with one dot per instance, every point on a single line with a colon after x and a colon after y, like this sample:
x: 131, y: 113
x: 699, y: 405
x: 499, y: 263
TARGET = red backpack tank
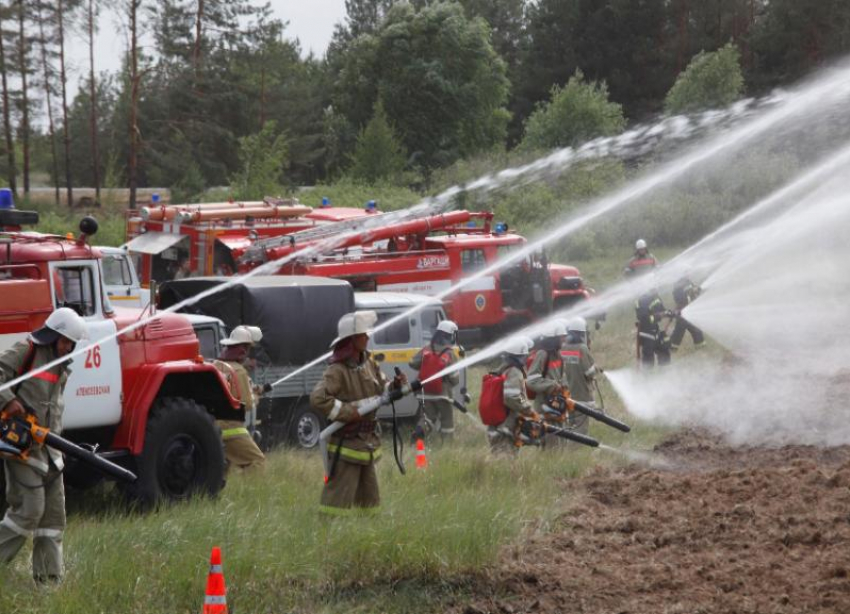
x: 491, y: 405
x: 433, y: 363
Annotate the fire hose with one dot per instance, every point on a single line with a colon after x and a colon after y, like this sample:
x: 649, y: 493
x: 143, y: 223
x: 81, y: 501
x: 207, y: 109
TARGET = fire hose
x: 365, y: 409
x: 19, y: 434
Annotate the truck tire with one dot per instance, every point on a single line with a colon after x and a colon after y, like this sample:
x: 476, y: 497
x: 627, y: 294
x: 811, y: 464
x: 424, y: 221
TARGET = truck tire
x: 183, y: 454
x: 305, y: 427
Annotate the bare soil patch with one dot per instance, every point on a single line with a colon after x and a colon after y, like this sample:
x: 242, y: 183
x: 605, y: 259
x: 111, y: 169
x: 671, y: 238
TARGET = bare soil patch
x: 721, y: 530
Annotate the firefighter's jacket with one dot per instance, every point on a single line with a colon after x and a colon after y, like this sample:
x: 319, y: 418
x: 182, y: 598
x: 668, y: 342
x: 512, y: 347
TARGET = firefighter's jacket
x: 649, y: 310
x: 241, y: 386
x: 580, y: 370
x: 545, y: 375
x: 42, y: 393
x: 336, y: 395
x: 640, y: 264
x: 515, y: 399
x: 449, y: 381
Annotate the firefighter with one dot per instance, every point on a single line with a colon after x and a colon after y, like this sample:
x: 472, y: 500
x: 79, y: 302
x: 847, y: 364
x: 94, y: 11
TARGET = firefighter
x: 353, y: 376
x: 684, y: 293
x: 642, y: 261
x: 546, y: 371
x: 240, y: 449
x: 435, y: 396
x: 516, y: 401
x: 580, y: 370
x: 651, y: 338
x: 34, y: 488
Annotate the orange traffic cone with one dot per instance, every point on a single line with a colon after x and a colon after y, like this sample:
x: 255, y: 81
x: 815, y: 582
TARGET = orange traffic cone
x: 421, y: 457
x: 215, y: 601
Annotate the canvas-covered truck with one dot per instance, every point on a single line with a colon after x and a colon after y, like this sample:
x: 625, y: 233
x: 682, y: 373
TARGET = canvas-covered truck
x: 143, y: 399
x: 298, y: 316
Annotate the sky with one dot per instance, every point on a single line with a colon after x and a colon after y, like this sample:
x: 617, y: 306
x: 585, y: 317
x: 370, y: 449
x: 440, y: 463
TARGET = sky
x: 310, y: 21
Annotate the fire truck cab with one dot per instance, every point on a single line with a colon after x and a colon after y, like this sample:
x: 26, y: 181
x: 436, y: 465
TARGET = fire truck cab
x: 142, y: 398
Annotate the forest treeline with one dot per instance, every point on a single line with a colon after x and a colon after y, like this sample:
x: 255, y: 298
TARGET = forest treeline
x: 220, y: 93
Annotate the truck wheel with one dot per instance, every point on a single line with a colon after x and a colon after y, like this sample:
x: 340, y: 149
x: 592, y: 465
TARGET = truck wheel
x: 183, y: 454
x: 305, y: 427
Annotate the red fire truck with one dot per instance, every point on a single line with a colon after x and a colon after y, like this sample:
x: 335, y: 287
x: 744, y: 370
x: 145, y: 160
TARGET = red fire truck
x: 429, y: 255
x: 144, y: 399
x: 207, y: 239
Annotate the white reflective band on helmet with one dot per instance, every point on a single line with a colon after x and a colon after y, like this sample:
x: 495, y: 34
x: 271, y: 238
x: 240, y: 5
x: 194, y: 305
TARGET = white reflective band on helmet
x: 14, y: 527
x: 52, y: 533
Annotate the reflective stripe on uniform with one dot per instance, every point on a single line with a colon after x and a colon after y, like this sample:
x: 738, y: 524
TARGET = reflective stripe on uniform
x: 15, y: 527
x: 361, y: 455
x: 38, y: 464
x: 335, y: 412
x: 237, y: 432
x: 647, y: 336
x: 48, y: 533
x: 512, y: 391
x: 447, y: 431
x: 590, y: 371
x: 534, y: 377
x: 47, y: 377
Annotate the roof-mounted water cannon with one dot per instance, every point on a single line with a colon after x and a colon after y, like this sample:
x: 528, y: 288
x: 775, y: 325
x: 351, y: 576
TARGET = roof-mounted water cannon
x: 88, y: 228
x: 11, y: 218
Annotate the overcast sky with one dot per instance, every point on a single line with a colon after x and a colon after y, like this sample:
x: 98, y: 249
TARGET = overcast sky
x: 310, y: 21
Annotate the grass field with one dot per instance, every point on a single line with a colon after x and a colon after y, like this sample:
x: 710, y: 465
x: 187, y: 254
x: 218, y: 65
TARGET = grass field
x: 436, y: 532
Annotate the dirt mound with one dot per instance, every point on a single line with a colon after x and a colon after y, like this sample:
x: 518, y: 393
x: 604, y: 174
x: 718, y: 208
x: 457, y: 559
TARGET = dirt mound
x: 743, y: 530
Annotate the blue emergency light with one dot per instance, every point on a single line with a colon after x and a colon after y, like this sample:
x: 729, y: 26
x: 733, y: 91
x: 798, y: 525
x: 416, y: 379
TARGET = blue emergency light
x: 371, y: 206
x: 501, y: 228
x: 7, y: 199
x: 326, y: 202
x: 154, y: 198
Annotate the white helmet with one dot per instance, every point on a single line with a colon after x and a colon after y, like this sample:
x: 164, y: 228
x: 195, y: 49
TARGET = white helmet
x: 447, y: 326
x: 518, y: 346
x: 256, y: 333
x: 578, y: 325
x: 556, y: 329
x: 64, y: 322
x: 241, y: 335
x: 354, y: 323
x: 640, y: 244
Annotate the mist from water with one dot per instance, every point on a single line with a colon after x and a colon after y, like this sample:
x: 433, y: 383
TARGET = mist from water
x: 780, y: 306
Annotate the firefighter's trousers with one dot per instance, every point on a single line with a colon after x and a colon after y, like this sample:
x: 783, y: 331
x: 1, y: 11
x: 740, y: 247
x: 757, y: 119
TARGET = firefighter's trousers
x: 352, y: 487
x: 37, y: 510
x: 240, y: 450
x: 683, y: 325
x: 653, y: 345
x: 434, y: 412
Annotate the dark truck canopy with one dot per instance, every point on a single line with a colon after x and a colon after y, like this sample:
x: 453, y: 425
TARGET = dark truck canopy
x: 297, y: 314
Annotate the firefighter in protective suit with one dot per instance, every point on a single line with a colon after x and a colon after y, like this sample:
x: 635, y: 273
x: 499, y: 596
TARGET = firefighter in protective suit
x: 352, y: 378
x: 642, y: 261
x: 546, y: 372
x: 651, y: 338
x: 429, y: 361
x: 684, y: 293
x: 516, y: 401
x: 34, y: 488
x: 240, y: 449
x: 580, y: 370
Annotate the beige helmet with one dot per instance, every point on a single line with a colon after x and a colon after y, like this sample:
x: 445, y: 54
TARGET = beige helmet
x: 354, y: 323
x: 241, y: 335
